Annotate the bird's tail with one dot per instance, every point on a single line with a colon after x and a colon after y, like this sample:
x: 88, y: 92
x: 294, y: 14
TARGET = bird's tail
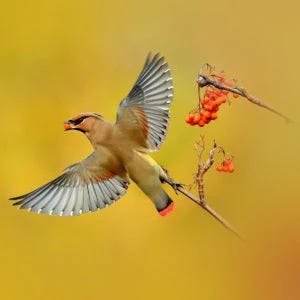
x: 162, y: 202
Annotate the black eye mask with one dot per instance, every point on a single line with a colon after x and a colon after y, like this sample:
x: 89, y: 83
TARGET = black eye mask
x: 78, y: 121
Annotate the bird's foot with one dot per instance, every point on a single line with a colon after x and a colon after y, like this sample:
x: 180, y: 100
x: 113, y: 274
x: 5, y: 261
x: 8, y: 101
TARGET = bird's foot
x: 173, y: 183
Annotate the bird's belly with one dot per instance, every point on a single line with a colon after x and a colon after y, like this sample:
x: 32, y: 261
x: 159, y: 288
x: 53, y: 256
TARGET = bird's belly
x: 142, y: 169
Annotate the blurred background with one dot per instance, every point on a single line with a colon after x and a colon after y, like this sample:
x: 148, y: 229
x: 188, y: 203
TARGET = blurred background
x: 59, y: 58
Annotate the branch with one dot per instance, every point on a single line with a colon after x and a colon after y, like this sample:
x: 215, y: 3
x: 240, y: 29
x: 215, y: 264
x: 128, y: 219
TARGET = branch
x: 204, y: 80
x: 210, y: 210
x: 202, y: 169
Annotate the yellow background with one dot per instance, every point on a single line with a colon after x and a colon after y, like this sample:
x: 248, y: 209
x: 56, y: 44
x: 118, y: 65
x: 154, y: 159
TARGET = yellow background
x: 59, y: 58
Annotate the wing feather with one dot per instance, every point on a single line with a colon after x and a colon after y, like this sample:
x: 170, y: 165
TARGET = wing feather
x: 146, y: 108
x: 80, y: 189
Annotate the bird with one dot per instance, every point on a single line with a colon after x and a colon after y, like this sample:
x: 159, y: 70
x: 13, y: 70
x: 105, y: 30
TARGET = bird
x: 120, y: 152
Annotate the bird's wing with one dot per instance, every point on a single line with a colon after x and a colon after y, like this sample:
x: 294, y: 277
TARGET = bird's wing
x: 83, y: 187
x: 144, y: 113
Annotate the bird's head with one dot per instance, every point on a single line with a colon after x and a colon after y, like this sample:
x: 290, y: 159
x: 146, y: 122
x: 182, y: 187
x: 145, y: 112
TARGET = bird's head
x: 84, y: 122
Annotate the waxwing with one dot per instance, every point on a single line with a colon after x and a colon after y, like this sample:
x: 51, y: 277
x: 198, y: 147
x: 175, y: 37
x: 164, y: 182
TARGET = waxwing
x: 120, y: 152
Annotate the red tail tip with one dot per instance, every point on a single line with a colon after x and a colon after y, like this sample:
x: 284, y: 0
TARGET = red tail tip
x: 167, y: 210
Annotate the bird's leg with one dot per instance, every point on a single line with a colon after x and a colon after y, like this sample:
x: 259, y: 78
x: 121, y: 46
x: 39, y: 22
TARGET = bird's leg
x: 173, y: 183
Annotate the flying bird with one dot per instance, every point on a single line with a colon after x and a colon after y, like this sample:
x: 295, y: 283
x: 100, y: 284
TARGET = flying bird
x: 120, y: 152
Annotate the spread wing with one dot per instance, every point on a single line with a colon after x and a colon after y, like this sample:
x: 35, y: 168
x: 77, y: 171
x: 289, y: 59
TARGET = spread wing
x: 83, y: 187
x: 144, y: 113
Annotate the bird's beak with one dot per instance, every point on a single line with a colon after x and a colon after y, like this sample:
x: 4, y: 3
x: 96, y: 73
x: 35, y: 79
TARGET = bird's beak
x: 69, y: 125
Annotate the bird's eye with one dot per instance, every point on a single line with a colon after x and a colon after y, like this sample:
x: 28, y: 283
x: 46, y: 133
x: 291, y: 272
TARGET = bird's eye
x: 78, y: 121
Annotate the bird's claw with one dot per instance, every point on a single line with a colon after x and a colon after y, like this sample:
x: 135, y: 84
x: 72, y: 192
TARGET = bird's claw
x: 175, y: 185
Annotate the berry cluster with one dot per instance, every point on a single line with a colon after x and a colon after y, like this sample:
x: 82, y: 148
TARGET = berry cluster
x: 209, y: 105
x: 226, y: 166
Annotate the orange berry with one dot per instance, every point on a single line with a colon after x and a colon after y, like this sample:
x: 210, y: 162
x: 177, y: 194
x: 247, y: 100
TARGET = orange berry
x: 205, y: 120
x: 219, y: 101
x: 208, y: 107
x: 230, y: 168
x: 225, y: 168
x: 201, y: 123
x: 213, y: 96
x: 216, y: 108
x: 191, y: 117
x: 218, y: 93
x: 235, y: 95
x: 208, y: 93
x: 219, y: 168
x: 197, y: 118
x: 213, y: 116
x: 188, y: 120
x: 205, y: 101
x: 227, y: 162
x: 223, y: 99
x: 206, y: 114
